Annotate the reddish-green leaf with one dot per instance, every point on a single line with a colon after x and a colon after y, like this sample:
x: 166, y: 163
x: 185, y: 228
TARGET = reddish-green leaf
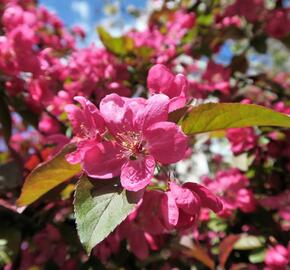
x: 201, y: 255
x: 226, y: 247
x: 48, y: 175
x: 216, y: 116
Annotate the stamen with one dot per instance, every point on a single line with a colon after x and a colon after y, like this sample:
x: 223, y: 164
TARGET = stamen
x: 132, y: 144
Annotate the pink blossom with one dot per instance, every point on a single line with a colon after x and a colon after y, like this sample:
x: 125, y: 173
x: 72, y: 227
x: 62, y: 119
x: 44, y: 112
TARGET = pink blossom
x: 227, y: 21
x: 49, y: 246
x: 88, y: 126
x: 8, y: 63
x: 280, y: 106
x: 216, y: 77
x: 95, y: 70
x: 161, y: 80
x: 278, y: 23
x: 181, y: 204
x: 277, y: 258
x: 150, y: 212
x: 108, y: 246
x: 280, y: 202
x: 242, y: 139
x: 252, y: 10
x: 79, y: 31
x: 139, y: 241
x: 180, y: 24
x: 142, y: 138
x: 232, y: 186
x: 40, y: 91
x: 23, y: 38
x: 14, y: 15
x: 48, y: 125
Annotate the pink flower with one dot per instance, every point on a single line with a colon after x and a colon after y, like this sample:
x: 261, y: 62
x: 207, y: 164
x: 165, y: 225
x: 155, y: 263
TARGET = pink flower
x: 250, y: 9
x: 150, y: 213
x: 232, y: 186
x: 216, y: 77
x: 12, y: 17
x: 277, y: 258
x: 278, y: 23
x: 280, y: 202
x: 79, y: 31
x: 181, y: 204
x: 23, y: 38
x: 48, y: 125
x: 140, y: 242
x: 241, y: 139
x: 141, y: 138
x: 108, y: 246
x: 88, y: 126
x: 227, y: 21
x: 180, y: 24
x: 161, y: 80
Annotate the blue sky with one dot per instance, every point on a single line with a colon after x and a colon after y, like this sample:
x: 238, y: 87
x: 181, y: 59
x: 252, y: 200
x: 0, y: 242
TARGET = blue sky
x: 89, y: 13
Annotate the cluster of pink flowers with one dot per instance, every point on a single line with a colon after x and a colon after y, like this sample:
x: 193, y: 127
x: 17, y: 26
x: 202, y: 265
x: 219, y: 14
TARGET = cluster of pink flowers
x: 233, y: 188
x: 215, y: 78
x: 165, y: 43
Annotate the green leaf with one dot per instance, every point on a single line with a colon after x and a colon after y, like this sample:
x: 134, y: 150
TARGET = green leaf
x: 116, y: 45
x: 257, y: 256
x: 100, y: 208
x: 215, y: 116
x: 217, y: 225
x: 205, y: 20
x: 48, y: 175
x: 10, y: 239
x: 248, y: 242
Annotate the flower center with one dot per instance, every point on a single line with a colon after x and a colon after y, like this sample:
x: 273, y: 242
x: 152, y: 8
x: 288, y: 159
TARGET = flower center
x: 88, y: 133
x: 132, y: 144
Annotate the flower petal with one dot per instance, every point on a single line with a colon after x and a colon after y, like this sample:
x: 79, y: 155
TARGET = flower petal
x: 86, y: 121
x: 182, y: 85
x: 166, y: 142
x: 117, y: 114
x: 176, y: 103
x: 82, y: 147
x: 208, y: 199
x: 137, y: 174
x: 170, y: 211
x: 156, y: 110
x: 186, y: 199
x: 103, y: 161
x: 138, y: 244
x: 160, y: 79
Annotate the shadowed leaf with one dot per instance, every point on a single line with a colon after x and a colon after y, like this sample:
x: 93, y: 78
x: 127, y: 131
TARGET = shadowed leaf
x: 100, y: 208
x: 48, y: 175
